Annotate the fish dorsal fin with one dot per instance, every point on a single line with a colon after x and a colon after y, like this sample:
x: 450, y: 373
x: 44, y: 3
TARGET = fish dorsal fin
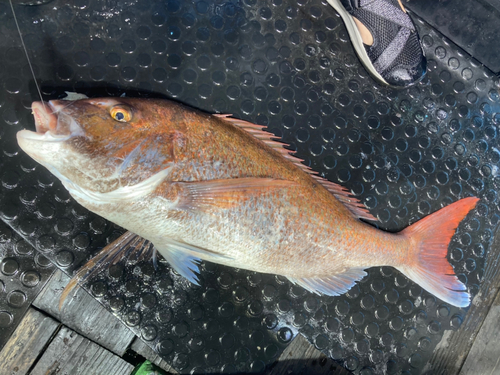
x: 267, y: 138
x: 342, y: 194
x: 357, y: 208
x: 335, y: 285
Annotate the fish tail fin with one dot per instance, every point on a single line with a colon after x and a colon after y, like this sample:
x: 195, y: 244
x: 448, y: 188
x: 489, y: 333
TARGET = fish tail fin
x: 427, y: 265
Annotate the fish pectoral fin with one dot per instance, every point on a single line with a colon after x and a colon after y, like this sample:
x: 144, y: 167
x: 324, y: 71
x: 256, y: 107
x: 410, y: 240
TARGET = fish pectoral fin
x: 185, y: 258
x: 125, y: 247
x: 223, y: 194
x: 335, y: 285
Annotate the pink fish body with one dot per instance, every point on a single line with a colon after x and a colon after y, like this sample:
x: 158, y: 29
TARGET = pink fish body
x: 210, y: 187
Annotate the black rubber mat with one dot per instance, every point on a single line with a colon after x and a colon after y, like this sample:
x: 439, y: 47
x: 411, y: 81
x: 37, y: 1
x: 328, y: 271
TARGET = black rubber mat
x: 290, y: 66
x: 23, y: 273
x: 472, y: 25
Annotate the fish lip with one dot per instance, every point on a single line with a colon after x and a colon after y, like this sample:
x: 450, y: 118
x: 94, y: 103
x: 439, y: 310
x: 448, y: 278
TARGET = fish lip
x: 45, y: 116
x: 48, y: 136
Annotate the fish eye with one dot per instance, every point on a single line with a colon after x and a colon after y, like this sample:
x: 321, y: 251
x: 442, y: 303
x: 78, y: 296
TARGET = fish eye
x: 121, y: 114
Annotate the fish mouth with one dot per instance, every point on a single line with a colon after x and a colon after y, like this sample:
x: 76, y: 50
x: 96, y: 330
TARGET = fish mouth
x: 52, y: 123
x: 45, y: 117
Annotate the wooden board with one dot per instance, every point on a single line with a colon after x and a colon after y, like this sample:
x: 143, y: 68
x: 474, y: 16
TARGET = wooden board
x: 83, y: 314
x: 484, y: 356
x: 22, y: 283
x: 142, y: 349
x: 70, y: 353
x: 27, y: 342
x: 451, y: 353
x: 300, y: 357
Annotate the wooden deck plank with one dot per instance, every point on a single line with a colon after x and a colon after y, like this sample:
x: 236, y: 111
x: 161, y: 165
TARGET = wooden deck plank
x: 71, y: 353
x: 484, y: 356
x: 27, y: 342
x: 300, y: 357
x: 451, y: 353
x: 83, y: 314
x: 141, y: 348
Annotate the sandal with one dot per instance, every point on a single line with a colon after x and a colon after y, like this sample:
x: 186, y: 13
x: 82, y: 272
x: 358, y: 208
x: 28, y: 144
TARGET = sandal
x: 396, y: 57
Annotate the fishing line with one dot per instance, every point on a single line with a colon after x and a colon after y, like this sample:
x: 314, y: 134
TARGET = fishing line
x: 26, y: 52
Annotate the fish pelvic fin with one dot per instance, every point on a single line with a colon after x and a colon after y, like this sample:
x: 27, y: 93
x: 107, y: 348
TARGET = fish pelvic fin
x: 427, y: 265
x: 185, y: 258
x: 334, y: 285
x: 127, y: 246
x: 186, y: 265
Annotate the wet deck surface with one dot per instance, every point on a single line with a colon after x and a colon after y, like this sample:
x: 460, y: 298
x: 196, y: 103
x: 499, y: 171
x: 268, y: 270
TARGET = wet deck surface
x: 83, y: 338
x: 290, y: 66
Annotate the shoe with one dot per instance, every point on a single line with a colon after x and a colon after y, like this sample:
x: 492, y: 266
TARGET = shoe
x: 396, y: 57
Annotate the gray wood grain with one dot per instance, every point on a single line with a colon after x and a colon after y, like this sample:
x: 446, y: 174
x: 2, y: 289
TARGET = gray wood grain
x: 26, y: 343
x: 141, y: 348
x: 451, y: 353
x: 484, y: 356
x: 82, y: 313
x: 300, y: 357
x: 70, y: 353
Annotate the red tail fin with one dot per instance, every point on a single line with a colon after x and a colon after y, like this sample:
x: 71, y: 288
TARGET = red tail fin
x: 430, y: 238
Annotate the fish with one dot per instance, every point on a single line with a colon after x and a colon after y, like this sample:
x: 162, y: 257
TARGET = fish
x: 210, y: 187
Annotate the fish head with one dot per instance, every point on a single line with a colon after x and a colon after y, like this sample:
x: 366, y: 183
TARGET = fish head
x: 100, y: 145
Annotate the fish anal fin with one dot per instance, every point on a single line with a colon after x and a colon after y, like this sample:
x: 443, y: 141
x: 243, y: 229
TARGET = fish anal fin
x: 334, y: 285
x: 226, y: 193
